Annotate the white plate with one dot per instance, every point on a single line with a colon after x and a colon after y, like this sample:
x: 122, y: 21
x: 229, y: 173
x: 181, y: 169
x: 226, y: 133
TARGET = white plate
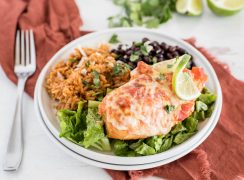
x: 109, y: 165
x: 127, y: 35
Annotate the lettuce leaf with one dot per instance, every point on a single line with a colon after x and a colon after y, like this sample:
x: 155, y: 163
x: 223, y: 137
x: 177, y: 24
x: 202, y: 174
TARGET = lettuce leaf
x: 191, y: 124
x: 67, y: 124
x: 181, y: 137
x: 167, y: 144
x: 84, y: 126
x: 121, y: 148
x: 155, y: 142
x: 144, y: 149
x: 178, y: 128
x: 208, y: 98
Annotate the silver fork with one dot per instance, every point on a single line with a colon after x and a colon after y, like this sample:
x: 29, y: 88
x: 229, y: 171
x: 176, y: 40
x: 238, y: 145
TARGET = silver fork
x: 25, y: 66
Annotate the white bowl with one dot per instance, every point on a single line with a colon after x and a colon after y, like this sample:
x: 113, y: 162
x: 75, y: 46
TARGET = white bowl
x: 127, y: 35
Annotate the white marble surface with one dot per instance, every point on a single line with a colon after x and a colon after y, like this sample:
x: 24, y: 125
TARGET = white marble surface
x: 44, y: 160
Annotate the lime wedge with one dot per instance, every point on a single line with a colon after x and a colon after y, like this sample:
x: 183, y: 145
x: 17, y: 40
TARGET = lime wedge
x: 167, y: 66
x: 183, y: 84
x: 225, y: 7
x: 189, y: 7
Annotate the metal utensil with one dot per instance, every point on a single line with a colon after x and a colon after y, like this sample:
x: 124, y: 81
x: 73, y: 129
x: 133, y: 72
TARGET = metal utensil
x: 25, y: 66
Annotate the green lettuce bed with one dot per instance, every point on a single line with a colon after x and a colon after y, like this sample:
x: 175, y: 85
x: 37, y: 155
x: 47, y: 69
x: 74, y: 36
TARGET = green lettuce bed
x: 85, y: 127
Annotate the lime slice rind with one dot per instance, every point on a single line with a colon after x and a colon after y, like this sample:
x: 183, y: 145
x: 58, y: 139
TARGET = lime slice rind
x: 225, y: 7
x: 167, y: 66
x: 189, y: 7
x: 183, y: 84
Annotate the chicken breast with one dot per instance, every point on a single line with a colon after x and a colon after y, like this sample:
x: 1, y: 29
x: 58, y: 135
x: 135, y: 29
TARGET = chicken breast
x: 146, y: 105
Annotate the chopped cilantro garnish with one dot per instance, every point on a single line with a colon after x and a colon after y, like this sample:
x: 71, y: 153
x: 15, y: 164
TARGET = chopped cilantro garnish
x: 154, y: 60
x: 86, y: 83
x: 134, y: 57
x: 169, y: 108
x: 161, y: 77
x: 117, y: 69
x: 97, y: 93
x: 87, y: 64
x: 73, y: 60
x: 114, y: 39
x: 100, y: 97
x: 128, y: 66
x: 144, y: 50
x: 96, y: 80
x: 138, y: 44
x: 170, y: 65
x: 120, y: 68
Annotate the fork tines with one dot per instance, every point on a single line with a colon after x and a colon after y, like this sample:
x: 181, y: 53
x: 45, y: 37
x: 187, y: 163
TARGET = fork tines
x: 25, y: 48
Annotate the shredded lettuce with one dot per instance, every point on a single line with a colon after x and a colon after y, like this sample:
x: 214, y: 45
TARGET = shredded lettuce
x: 178, y: 128
x: 181, y: 137
x: 207, y: 98
x: 167, y: 143
x: 121, y: 148
x: 85, y: 128
x: 145, y: 149
x: 155, y: 142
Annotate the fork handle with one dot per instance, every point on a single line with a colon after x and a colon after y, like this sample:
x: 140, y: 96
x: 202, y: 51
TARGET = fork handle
x: 14, y: 149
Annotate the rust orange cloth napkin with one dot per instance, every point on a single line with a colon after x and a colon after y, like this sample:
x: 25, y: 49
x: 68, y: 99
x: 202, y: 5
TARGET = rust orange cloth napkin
x: 57, y: 22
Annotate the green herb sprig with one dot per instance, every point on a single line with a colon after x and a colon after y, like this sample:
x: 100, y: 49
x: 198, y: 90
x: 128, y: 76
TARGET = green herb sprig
x: 114, y: 39
x: 148, y: 13
x: 96, y: 80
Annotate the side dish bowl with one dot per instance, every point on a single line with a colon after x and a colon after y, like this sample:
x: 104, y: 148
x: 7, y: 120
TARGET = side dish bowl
x: 127, y: 35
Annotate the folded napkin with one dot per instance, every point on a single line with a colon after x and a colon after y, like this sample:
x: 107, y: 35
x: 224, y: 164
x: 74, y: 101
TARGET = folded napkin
x: 57, y: 22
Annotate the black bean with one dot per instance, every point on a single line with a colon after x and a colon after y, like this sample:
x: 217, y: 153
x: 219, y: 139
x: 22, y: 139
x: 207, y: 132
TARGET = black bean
x: 169, y: 56
x: 175, y: 54
x: 160, y: 59
x: 120, y: 46
x: 137, y: 49
x: 160, y: 52
x: 164, y: 46
x: 114, y: 51
x: 155, y: 43
x: 156, y: 48
x: 181, y: 51
x: 131, y: 64
x: 145, y: 39
x: 141, y: 56
x: 171, y: 49
x: 120, y: 51
x: 133, y: 47
x: 152, y: 53
x: 146, y: 59
x: 159, y: 55
x: 129, y: 52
